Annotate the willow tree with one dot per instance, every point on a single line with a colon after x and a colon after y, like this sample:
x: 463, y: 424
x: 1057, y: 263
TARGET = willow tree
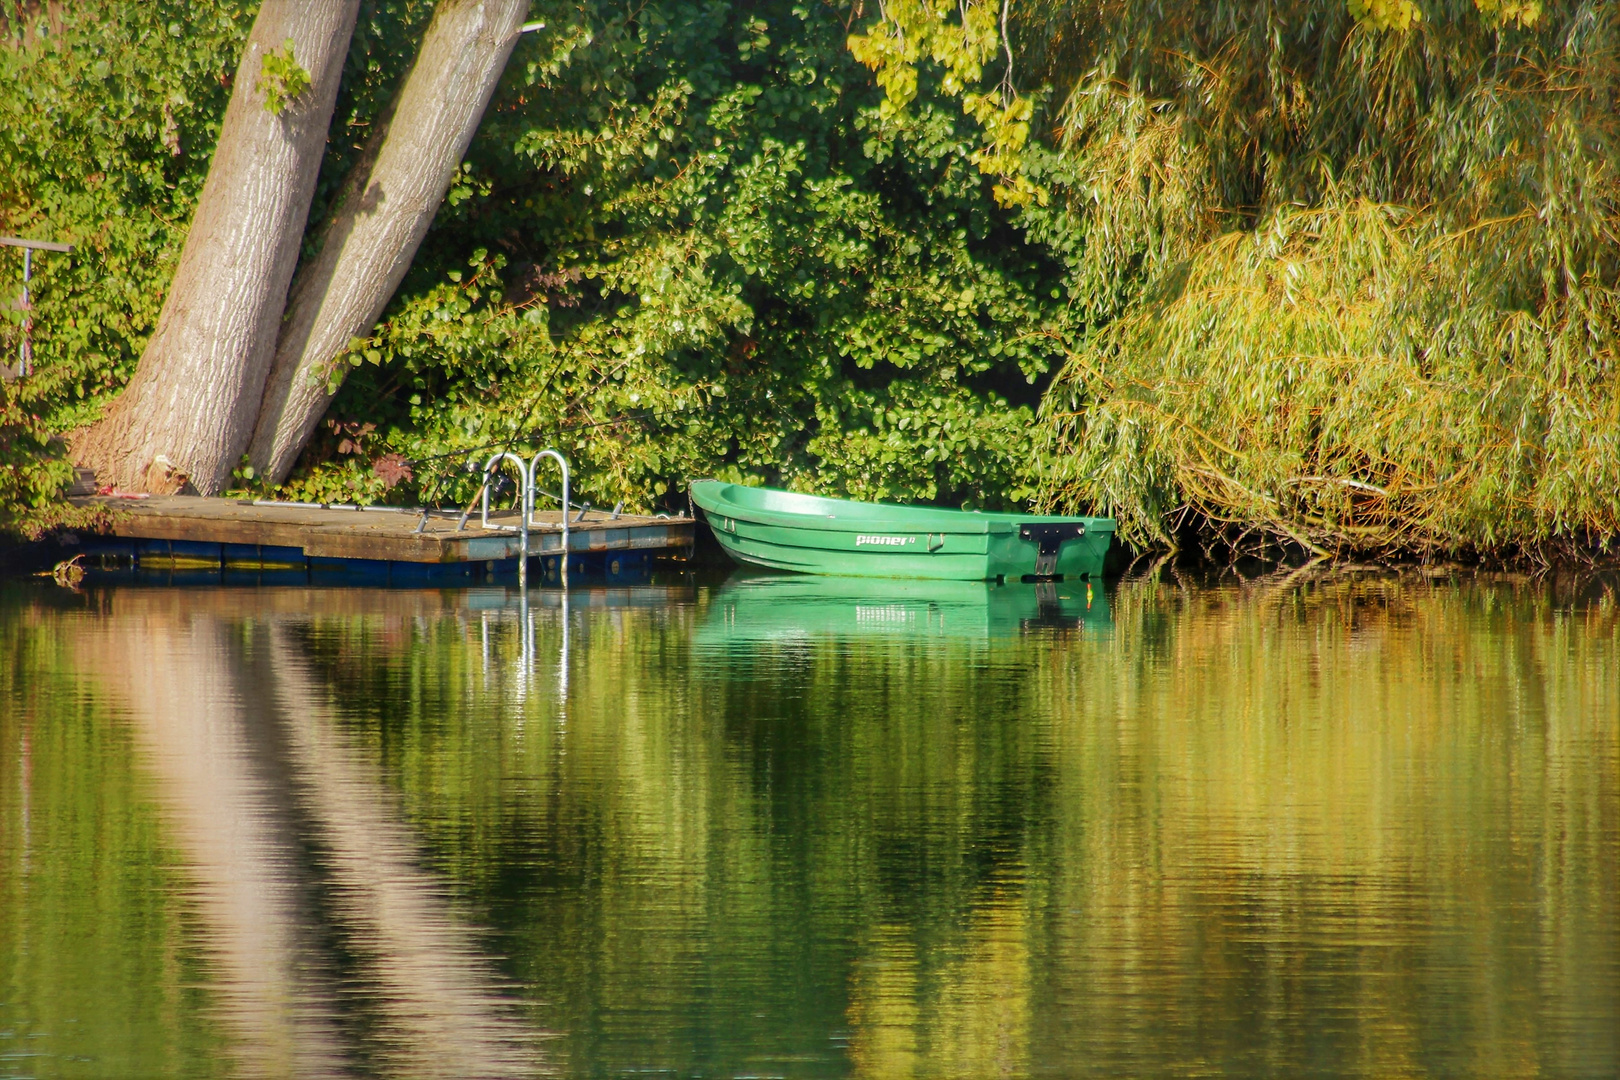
x: 189, y: 410
x: 387, y: 204
x: 1342, y: 273
x: 1345, y: 275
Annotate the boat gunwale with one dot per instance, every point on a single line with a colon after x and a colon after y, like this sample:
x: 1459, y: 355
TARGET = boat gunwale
x: 978, y: 523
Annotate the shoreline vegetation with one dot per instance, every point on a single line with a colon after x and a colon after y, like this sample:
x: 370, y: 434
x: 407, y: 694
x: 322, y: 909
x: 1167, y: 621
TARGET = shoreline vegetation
x: 1323, y: 279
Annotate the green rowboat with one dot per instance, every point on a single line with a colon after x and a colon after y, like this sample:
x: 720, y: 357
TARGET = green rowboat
x: 813, y: 535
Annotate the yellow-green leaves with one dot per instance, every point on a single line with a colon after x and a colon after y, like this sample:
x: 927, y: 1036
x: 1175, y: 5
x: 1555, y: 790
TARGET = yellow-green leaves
x: 1386, y: 14
x: 281, y: 79
x: 1525, y: 13
x: 960, y: 38
x: 1404, y: 14
x: 1005, y: 122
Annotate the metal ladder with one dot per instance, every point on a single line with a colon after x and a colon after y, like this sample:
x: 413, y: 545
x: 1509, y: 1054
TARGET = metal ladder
x: 526, y: 473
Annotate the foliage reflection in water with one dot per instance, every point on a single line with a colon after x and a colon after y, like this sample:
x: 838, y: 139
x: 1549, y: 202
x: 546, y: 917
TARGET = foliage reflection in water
x: 786, y: 826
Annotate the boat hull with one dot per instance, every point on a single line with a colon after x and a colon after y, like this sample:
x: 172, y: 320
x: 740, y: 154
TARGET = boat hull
x: 807, y: 534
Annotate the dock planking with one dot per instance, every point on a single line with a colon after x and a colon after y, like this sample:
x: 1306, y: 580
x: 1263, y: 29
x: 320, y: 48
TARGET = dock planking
x: 381, y: 534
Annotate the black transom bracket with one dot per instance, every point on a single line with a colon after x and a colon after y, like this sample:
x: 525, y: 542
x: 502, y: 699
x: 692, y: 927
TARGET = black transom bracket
x: 1049, y: 539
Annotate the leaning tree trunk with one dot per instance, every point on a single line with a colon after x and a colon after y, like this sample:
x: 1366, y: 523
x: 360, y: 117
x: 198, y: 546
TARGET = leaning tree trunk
x: 386, y: 208
x: 189, y: 409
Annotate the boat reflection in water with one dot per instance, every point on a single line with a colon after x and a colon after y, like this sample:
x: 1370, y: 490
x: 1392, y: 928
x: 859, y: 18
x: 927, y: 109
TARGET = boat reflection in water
x: 332, y: 950
x: 752, y: 608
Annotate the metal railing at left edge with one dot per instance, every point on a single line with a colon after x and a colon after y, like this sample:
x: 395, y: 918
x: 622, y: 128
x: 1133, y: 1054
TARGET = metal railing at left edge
x: 526, y: 493
x: 25, y: 349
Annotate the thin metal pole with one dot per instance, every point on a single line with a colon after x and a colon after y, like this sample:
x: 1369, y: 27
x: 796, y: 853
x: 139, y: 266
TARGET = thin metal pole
x: 25, y: 361
x: 25, y: 358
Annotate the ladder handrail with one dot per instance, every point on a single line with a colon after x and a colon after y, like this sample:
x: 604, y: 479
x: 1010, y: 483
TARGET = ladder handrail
x: 525, y: 502
x: 534, y: 465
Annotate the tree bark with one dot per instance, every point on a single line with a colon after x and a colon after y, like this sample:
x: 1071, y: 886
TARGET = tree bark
x: 380, y: 219
x: 188, y: 411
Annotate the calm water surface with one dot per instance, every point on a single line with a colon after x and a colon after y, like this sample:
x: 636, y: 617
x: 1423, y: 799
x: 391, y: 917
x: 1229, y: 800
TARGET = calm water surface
x: 788, y: 827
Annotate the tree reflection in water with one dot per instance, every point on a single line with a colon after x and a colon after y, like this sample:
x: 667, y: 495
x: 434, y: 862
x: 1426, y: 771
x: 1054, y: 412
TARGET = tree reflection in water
x: 333, y: 948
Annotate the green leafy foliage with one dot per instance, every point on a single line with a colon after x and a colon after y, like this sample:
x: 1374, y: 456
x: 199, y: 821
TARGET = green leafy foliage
x: 958, y: 40
x: 281, y: 79
x: 105, y: 136
x: 688, y: 242
x: 106, y: 130
x: 30, y: 474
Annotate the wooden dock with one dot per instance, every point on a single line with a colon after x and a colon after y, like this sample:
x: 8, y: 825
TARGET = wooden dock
x: 185, y: 531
